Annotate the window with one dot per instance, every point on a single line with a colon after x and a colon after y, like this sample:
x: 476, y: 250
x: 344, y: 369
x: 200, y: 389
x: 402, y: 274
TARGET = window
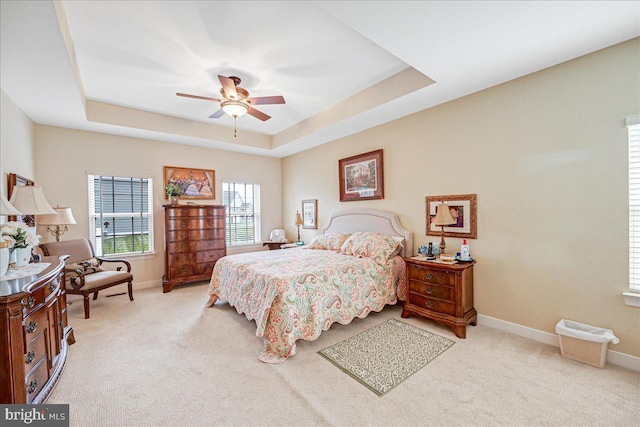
x: 633, y: 125
x: 242, y: 210
x: 120, y: 215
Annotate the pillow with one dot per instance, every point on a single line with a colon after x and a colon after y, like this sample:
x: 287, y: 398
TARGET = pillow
x: 87, y: 266
x: 372, y: 245
x: 329, y: 241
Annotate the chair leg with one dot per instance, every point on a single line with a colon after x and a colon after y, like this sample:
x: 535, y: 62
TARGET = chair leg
x: 86, y: 305
x: 95, y: 296
x: 130, y: 291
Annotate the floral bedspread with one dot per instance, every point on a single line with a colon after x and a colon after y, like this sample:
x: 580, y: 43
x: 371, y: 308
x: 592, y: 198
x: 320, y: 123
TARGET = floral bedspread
x: 298, y: 293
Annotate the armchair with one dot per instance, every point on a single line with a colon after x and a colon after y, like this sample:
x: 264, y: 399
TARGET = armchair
x: 84, y: 274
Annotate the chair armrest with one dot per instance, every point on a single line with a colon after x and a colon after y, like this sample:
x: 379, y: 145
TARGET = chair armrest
x: 74, y: 280
x: 126, y: 263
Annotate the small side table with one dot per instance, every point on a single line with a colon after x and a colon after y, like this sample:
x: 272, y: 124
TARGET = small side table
x: 274, y: 245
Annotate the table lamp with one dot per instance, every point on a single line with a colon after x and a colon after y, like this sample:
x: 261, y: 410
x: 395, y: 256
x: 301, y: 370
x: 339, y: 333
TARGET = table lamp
x: 30, y: 201
x: 443, y: 218
x: 298, y: 222
x: 61, y: 220
x: 6, y: 208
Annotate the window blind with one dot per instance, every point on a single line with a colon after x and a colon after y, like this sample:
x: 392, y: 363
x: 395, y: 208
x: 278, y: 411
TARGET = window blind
x: 242, y: 210
x: 120, y: 214
x: 633, y: 125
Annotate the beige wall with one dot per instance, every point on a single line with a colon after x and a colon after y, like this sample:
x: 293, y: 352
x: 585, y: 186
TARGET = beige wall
x: 16, y: 143
x: 64, y: 157
x: 546, y: 155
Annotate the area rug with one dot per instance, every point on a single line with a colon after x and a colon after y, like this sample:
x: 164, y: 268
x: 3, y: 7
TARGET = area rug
x: 382, y: 357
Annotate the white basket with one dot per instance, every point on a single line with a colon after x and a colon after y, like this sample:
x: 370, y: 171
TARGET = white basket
x: 584, y: 343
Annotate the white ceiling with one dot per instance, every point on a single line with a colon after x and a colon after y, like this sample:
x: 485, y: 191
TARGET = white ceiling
x: 342, y: 66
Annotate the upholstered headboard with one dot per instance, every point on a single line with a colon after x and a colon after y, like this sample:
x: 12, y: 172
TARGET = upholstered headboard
x: 378, y: 221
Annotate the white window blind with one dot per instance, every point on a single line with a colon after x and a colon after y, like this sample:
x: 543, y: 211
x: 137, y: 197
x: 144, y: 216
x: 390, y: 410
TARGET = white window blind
x: 633, y: 125
x: 120, y: 214
x: 242, y: 210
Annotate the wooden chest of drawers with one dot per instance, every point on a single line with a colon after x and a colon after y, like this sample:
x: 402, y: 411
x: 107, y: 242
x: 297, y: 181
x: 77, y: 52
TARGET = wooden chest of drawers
x: 194, y: 238
x: 34, y: 334
x: 441, y: 292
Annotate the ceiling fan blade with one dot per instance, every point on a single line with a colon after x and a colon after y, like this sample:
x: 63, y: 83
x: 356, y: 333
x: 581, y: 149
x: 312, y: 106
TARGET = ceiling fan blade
x: 258, y: 114
x: 199, y: 97
x: 217, y: 114
x: 261, y: 100
x: 229, y: 87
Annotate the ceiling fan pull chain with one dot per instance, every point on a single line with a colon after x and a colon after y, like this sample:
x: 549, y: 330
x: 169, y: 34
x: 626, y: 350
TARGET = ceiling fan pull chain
x: 235, y: 126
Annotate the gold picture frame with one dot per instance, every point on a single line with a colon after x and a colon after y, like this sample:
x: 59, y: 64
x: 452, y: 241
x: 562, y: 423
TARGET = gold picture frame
x: 195, y: 183
x: 463, y: 208
x: 361, y: 177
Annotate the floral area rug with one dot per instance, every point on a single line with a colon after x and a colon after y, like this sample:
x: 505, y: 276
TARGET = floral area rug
x: 387, y: 354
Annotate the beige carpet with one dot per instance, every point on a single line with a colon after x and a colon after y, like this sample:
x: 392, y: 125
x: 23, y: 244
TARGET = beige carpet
x: 165, y: 360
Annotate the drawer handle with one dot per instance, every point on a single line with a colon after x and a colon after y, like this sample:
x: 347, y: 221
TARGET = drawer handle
x: 428, y: 289
x: 184, y: 235
x: 60, y: 323
x: 30, y: 357
x: 184, y: 246
x: 429, y: 304
x: 183, y: 224
x: 428, y: 276
x: 30, y: 302
x: 33, y: 385
x: 33, y: 325
x: 52, y: 286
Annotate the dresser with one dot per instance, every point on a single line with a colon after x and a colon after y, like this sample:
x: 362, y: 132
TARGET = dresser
x: 34, y: 334
x: 441, y: 292
x: 194, y: 239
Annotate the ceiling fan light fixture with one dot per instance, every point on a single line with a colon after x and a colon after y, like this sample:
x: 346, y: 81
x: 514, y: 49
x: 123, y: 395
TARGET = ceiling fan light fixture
x: 234, y: 108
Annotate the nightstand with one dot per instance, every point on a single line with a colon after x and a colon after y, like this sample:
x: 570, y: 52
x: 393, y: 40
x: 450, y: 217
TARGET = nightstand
x: 274, y: 245
x: 441, y: 292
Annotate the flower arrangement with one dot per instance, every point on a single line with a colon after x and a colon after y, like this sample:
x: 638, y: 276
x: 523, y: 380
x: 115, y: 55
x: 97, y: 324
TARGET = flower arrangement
x: 19, y: 235
x: 173, y: 190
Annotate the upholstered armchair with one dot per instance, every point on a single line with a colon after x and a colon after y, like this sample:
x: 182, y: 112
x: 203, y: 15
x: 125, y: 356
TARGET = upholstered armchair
x: 84, y: 271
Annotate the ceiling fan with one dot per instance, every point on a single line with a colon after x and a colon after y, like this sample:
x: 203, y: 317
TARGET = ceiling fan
x: 236, y: 101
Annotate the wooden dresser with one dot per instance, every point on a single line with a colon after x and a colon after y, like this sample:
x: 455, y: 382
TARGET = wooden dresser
x: 194, y: 239
x: 441, y: 292
x: 34, y: 334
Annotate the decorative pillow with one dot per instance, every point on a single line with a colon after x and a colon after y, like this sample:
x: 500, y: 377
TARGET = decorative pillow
x: 87, y: 266
x: 372, y: 245
x: 329, y: 241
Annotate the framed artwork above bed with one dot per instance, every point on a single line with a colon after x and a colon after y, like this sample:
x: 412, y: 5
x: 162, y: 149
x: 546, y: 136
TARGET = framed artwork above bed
x: 361, y: 177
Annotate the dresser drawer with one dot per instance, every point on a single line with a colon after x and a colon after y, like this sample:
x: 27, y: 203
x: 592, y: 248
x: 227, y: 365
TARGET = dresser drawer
x: 432, y: 304
x: 189, y: 235
x: 199, y: 211
x: 432, y: 291
x: 36, y: 379
x: 209, y: 256
x: 425, y: 274
x: 198, y: 245
x: 35, y: 350
x: 195, y: 224
x: 35, y: 323
x: 33, y: 301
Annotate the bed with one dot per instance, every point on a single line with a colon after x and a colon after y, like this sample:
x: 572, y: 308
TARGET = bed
x: 353, y: 268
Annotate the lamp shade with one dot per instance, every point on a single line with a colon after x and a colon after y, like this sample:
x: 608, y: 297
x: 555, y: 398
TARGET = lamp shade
x: 30, y: 201
x: 63, y: 217
x: 298, y: 220
x: 443, y: 216
x: 7, y: 208
x: 234, y: 108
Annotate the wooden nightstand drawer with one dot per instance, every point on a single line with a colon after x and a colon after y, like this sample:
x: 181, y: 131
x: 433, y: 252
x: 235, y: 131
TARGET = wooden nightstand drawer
x: 433, y: 305
x: 430, y: 275
x: 432, y: 291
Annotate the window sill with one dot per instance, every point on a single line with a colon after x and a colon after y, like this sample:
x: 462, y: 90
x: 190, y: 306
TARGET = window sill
x: 632, y: 298
x: 131, y: 257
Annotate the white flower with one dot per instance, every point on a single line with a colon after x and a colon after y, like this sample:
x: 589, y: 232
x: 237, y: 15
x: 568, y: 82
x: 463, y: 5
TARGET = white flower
x: 19, y: 235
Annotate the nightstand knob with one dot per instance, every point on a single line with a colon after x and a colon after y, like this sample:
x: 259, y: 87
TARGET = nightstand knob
x: 428, y: 289
x: 428, y: 276
x: 429, y: 304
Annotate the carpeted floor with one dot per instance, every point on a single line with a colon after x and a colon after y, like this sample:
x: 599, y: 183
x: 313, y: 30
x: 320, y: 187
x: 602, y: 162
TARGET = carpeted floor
x: 165, y: 360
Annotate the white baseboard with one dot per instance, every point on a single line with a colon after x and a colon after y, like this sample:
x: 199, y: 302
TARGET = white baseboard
x: 613, y: 357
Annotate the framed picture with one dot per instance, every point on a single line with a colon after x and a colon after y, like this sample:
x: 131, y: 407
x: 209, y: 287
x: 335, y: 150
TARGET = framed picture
x: 461, y: 207
x: 361, y: 177
x: 195, y: 183
x: 310, y: 214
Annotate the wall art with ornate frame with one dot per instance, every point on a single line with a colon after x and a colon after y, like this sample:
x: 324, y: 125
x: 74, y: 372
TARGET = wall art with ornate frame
x: 462, y: 208
x: 361, y: 177
x: 310, y: 214
x: 195, y: 183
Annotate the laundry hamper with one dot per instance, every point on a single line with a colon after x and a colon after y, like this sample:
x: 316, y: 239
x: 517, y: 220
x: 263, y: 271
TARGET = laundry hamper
x: 584, y: 343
